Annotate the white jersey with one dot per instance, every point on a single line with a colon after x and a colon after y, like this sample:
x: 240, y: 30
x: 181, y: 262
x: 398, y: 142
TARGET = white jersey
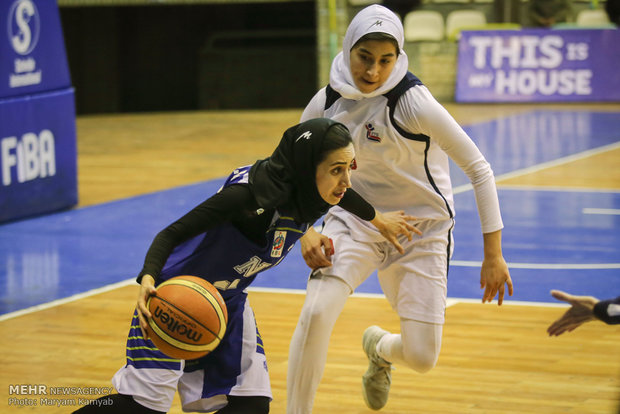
x: 402, y: 143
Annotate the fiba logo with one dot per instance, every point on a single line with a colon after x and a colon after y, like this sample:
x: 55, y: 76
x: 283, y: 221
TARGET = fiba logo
x: 24, y: 26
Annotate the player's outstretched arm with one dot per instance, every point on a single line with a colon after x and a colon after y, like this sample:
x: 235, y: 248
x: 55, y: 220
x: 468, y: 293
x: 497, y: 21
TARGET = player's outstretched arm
x: 580, y: 312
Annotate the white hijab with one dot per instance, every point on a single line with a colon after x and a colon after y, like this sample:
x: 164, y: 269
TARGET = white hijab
x: 371, y: 19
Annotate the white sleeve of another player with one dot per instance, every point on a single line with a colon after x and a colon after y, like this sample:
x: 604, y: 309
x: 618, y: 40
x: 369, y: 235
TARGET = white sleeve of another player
x: 316, y: 107
x: 419, y: 112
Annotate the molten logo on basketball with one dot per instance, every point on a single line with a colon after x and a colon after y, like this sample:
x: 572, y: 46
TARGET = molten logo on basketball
x: 174, y: 325
x: 189, y: 317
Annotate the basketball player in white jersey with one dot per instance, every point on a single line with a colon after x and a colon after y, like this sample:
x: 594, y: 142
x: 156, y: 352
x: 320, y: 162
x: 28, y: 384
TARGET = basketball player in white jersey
x: 403, y: 140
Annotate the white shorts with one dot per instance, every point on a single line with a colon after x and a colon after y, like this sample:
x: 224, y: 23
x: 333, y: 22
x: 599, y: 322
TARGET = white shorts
x: 415, y: 284
x: 236, y: 367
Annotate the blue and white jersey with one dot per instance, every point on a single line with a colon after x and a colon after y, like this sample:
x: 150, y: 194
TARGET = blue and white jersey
x: 226, y: 258
x: 230, y: 261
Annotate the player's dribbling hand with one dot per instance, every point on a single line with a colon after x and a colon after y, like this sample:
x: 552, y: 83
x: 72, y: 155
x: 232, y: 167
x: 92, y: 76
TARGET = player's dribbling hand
x: 147, y: 288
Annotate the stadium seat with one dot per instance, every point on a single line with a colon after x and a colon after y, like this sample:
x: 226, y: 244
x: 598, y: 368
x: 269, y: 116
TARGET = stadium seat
x: 592, y: 18
x: 424, y: 25
x: 458, y: 20
x: 500, y: 26
x: 363, y: 2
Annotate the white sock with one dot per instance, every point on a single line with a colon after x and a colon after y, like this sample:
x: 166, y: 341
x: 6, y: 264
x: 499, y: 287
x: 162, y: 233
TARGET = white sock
x: 390, y: 348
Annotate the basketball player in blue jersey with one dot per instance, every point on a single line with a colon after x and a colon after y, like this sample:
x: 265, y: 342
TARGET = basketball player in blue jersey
x: 247, y: 227
x: 403, y: 140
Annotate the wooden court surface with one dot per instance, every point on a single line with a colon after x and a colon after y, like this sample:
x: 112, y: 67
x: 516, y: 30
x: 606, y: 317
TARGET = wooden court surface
x: 493, y: 359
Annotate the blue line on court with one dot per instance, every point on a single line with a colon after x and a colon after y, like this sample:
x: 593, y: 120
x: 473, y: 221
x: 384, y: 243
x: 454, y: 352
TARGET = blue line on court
x: 532, y: 138
x: 61, y: 254
x: 58, y: 255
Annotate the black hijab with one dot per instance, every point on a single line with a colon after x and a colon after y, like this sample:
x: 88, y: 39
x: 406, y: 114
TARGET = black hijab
x: 288, y: 178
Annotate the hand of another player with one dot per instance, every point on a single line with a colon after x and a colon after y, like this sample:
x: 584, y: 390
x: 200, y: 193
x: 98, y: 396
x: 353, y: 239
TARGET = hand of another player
x: 393, y: 224
x: 316, y: 249
x: 580, y: 312
x: 147, y: 288
x: 494, y: 277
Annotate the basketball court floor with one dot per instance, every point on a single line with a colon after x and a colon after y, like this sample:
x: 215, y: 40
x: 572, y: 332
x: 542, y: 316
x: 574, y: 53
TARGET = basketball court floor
x: 566, y: 238
x: 67, y: 282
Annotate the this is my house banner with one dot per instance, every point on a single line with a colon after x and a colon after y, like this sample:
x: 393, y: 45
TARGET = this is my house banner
x: 539, y: 65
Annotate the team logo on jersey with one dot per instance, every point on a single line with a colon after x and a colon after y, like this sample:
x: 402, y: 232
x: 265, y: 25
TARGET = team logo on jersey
x: 371, y: 133
x: 278, y: 243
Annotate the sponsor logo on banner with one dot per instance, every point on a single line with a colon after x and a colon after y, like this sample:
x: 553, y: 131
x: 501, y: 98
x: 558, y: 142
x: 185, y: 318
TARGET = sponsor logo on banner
x: 37, y: 112
x: 27, y: 158
x: 538, y: 65
x: 23, y: 29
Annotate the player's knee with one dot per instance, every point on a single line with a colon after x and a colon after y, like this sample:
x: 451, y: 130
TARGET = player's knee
x: 325, y: 302
x: 317, y: 314
x: 420, y: 360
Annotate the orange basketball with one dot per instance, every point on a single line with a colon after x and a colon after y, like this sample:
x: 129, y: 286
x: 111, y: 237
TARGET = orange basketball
x: 189, y: 317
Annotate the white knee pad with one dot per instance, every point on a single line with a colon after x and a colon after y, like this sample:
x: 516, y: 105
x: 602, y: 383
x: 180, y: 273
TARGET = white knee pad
x: 421, y: 344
